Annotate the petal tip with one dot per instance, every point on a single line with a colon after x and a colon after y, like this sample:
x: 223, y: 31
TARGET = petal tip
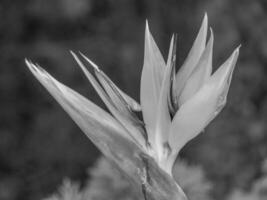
x: 205, y: 20
x: 72, y: 53
x: 27, y: 62
x: 235, y: 53
x: 211, y: 32
x: 206, y: 15
x: 30, y: 65
x: 147, y: 27
x: 211, y: 36
x: 147, y: 31
x: 238, y: 48
x: 90, y: 61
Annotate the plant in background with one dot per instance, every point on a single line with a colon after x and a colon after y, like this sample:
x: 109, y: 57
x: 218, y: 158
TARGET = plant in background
x: 258, y: 190
x: 175, y: 109
x: 107, y: 183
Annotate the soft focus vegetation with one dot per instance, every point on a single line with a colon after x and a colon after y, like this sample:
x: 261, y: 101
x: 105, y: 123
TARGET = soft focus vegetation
x: 258, y: 190
x: 107, y: 183
x: 40, y: 145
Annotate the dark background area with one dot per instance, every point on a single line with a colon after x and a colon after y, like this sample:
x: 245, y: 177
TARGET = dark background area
x: 40, y: 144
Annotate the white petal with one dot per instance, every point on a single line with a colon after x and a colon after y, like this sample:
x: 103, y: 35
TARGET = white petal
x: 151, y: 80
x: 121, y: 105
x: 134, y: 105
x: 200, y: 74
x: 192, y: 58
x: 223, y: 75
x: 107, y: 134
x: 89, y: 117
x: 127, y: 123
x: 163, y: 120
x: 130, y: 101
x: 114, y: 94
x: 195, y: 114
x: 222, y: 78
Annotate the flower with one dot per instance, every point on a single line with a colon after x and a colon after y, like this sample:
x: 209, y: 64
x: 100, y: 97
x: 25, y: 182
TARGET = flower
x: 176, y: 107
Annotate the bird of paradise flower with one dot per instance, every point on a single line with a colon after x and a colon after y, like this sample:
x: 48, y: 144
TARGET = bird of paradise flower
x: 176, y: 107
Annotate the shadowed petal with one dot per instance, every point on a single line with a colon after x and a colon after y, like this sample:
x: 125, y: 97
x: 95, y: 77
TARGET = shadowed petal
x: 192, y: 58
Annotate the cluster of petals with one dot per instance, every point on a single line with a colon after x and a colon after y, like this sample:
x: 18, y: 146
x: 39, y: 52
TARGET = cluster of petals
x: 176, y: 106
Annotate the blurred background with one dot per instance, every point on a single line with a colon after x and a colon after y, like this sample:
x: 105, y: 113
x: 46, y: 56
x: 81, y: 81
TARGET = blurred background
x: 40, y: 146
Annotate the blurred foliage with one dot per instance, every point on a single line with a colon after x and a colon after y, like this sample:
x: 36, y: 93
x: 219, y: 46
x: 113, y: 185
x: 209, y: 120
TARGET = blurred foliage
x: 107, y: 183
x: 40, y: 145
x: 258, y: 190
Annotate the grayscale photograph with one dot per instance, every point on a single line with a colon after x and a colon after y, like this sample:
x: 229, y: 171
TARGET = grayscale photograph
x: 133, y: 100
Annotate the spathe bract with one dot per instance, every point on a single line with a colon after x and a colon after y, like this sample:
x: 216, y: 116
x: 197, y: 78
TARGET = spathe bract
x: 176, y: 107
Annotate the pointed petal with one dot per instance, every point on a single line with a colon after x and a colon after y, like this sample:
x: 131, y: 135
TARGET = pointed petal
x: 81, y: 110
x: 114, y: 94
x: 200, y: 74
x: 192, y: 58
x: 126, y: 122
x: 111, y: 138
x: 121, y: 104
x: 223, y: 75
x: 222, y: 79
x: 163, y: 119
x: 129, y: 100
x: 133, y: 104
x: 195, y: 114
x: 151, y: 79
x: 155, y: 60
x: 118, y: 101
